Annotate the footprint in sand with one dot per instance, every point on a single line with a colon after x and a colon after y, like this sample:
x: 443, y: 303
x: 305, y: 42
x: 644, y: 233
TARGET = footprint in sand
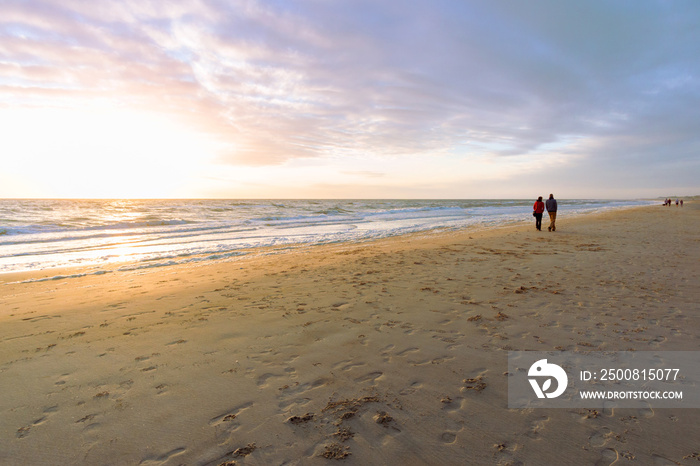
x: 408, y: 351
x: 262, y: 381
x: 347, y: 364
x: 62, y: 379
x: 296, y: 402
x: 51, y: 409
x: 25, y: 430
x: 505, y: 454
x: 440, y: 360
x: 86, y: 418
x: 176, y: 342
x: 230, y: 414
x: 411, y: 388
x: 657, y: 341
x: 607, y: 457
x: 371, y: 377
x: 305, y: 387
x: 160, y: 459
x: 452, y: 405
x: 387, y: 348
x: 297, y: 394
x: 386, y: 353
x: 227, y: 422
x: 600, y: 438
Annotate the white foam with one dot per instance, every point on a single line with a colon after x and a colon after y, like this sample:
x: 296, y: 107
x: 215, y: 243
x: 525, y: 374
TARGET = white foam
x: 61, y: 277
x: 146, y: 234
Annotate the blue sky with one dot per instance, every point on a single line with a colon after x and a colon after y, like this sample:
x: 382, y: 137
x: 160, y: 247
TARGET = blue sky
x: 349, y: 99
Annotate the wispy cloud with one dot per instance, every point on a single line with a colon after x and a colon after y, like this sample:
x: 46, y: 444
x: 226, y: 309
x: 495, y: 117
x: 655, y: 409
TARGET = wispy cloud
x: 278, y: 81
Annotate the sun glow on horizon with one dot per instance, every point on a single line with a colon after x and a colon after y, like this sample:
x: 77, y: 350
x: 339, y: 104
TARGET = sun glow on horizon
x: 298, y: 99
x: 101, y: 153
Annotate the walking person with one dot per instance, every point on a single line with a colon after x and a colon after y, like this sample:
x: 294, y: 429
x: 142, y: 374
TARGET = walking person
x: 538, y: 209
x: 551, y: 206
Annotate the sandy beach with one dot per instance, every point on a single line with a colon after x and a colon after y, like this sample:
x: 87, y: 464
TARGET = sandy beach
x: 386, y: 352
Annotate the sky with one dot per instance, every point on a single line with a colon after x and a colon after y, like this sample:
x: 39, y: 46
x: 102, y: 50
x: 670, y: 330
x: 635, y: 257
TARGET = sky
x: 349, y: 98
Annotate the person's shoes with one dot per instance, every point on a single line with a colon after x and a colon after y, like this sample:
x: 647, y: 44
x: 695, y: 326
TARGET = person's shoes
x: 549, y: 228
x: 554, y: 228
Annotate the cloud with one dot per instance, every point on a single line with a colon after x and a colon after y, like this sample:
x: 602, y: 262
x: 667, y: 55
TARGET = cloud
x: 277, y: 81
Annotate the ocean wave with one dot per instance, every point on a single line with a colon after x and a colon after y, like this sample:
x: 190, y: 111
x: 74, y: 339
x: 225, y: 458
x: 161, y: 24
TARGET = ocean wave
x: 334, y: 211
x: 413, y: 210
x: 35, y: 237
x: 78, y: 225
x: 78, y: 233
x: 153, y: 222
x: 166, y: 263
x: 61, y: 277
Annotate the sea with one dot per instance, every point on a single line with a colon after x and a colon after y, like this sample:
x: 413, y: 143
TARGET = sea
x: 121, y: 235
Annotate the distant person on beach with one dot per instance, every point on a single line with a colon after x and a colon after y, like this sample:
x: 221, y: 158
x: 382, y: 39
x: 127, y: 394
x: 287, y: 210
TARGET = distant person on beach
x: 681, y: 202
x: 551, y: 206
x: 676, y: 202
x: 538, y: 209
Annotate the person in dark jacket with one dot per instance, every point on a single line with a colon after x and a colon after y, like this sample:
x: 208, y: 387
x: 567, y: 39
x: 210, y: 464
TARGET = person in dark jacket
x: 538, y: 209
x: 551, y: 205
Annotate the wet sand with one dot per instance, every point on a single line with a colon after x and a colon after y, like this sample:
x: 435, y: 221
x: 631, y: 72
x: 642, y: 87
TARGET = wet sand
x: 388, y: 352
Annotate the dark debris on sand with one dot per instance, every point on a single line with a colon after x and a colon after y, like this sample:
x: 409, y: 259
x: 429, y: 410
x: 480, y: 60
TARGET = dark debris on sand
x: 383, y: 418
x: 351, y: 404
x: 245, y: 451
x: 336, y: 451
x: 343, y: 410
x: 343, y: 434
x: 301, y: 419
x: 476, y: 383
x: 349, y: 407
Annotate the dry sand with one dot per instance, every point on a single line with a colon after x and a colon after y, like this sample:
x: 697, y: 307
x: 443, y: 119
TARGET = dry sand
x: 389, y: 352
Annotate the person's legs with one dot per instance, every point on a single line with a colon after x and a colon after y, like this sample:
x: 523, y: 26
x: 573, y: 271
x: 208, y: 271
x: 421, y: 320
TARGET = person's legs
x: 538, y: 221
x: 552, y: 219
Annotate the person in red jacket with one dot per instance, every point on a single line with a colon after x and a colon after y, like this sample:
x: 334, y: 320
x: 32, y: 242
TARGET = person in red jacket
x: 538, y: 210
